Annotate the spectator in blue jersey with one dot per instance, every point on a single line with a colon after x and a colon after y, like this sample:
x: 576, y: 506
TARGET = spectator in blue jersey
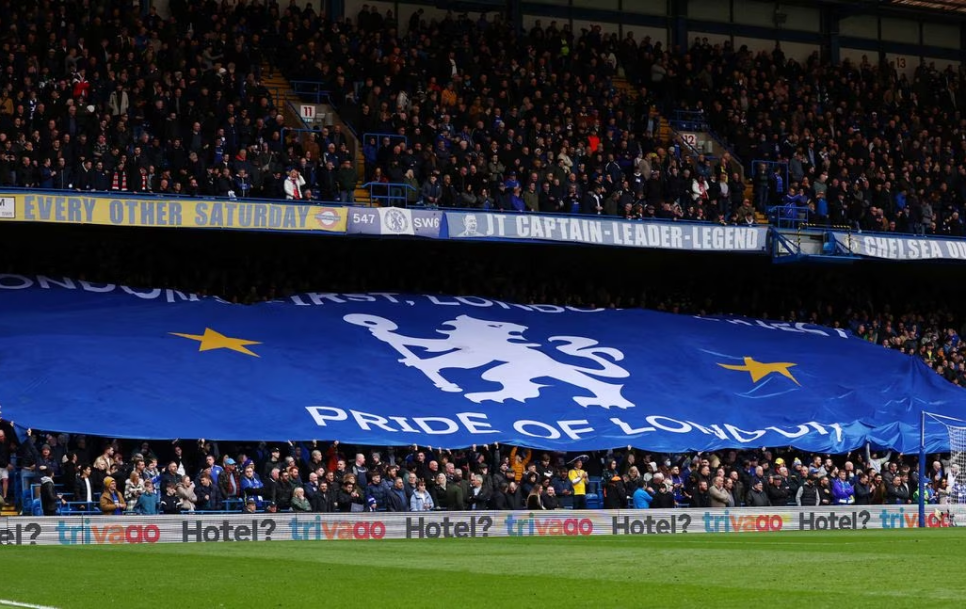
x: 251, y: 484
x: 642, y: 498
x: 378, y: 489
x: 842, y: 490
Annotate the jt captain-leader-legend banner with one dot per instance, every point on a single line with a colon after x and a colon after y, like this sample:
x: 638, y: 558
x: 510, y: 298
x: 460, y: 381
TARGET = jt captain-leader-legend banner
x: 397, y: 369
x: 209, y: 528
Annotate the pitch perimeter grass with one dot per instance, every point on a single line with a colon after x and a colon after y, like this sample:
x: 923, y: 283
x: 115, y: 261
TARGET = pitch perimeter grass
x: 894, y: 569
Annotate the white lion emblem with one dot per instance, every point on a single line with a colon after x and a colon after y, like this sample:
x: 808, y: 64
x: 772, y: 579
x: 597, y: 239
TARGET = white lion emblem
x: 474, y: 343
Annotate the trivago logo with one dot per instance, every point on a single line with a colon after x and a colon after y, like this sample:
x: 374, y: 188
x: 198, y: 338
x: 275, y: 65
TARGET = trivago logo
x: 316, y: 529
x: 726, y: 522
x: 548, y: 527
x: 112, y: 534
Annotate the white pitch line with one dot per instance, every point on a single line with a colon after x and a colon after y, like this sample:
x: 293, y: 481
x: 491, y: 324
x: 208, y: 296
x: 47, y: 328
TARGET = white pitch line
x: 7, y: 603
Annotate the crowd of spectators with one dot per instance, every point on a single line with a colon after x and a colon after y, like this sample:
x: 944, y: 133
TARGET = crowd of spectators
x: 252, y: 268
x: 858, y: 143
x: 116, y: 98
x: 468, y: 112
x: 112, y: 477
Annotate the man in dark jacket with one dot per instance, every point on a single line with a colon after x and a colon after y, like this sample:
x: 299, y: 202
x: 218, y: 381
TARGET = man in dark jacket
x: 701, y: 497
x: 757, y: 497
x: 863, y: 491
x: 50, y: 500
x: 777, y: 493
x: 396, y: 500
x: 477, y: 498
x: 663, y: 498
x: 808, y: 495
x: 378, y: 489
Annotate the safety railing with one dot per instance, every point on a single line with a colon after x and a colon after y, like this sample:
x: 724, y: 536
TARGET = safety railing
x: 312, y: 91
x: 394, y: 138
x: 759, y: 165
x: 689, y: 120
x: 391, y: 194
x: 789, y: 216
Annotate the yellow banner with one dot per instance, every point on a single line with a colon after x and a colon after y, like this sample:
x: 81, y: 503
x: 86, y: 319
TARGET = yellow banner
x: 77, y: 208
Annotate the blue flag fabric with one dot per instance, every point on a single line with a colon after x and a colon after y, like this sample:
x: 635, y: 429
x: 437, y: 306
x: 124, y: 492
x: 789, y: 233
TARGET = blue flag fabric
x: 446, y: 371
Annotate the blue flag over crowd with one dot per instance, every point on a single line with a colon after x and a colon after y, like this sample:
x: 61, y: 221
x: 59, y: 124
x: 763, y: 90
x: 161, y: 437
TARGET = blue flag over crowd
x: 397, y: 369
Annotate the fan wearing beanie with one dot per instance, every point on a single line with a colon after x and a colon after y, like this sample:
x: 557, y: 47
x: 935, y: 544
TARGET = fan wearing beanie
x: 112, y: 502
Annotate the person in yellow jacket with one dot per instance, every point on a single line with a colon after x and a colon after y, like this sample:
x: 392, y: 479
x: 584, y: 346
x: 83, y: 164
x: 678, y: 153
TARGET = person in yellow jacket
x: 519, y: 464
x: 578, y: 480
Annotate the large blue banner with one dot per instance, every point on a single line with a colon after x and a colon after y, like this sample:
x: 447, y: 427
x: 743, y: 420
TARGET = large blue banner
x: 385, y: 368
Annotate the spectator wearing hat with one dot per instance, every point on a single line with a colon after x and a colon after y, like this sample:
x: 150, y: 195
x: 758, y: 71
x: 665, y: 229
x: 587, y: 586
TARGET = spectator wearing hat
x: 112, y: 502
x: 756, y: 496
x: 274, y: 462
x: 229, y: 483
x: 808, y: 494
x: 777, y: 492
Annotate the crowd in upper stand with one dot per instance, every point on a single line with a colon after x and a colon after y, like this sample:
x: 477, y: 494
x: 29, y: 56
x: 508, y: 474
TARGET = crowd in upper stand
x: 108, y: 95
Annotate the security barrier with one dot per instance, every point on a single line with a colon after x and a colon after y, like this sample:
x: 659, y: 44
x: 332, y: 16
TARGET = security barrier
x: 188, y: 528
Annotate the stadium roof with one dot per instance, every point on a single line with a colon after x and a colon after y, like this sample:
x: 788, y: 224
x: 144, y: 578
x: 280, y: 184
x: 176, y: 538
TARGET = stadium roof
x: 944, y: 6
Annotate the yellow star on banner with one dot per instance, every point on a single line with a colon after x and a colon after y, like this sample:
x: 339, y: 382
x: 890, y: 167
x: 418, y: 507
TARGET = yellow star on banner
x: 211, y: 340
x: 759, y: 370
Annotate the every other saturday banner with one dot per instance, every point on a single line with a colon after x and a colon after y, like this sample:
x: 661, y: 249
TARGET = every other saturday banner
x: 396, y: 369
x: 595, y: 230
x: 170, y: 212
x: 188, y: 528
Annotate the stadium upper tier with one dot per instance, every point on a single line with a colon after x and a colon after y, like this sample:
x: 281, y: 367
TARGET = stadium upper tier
x: 469, y: 113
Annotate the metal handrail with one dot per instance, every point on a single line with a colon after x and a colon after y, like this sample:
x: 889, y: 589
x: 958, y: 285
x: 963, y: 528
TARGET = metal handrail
x: 379, y: 136
x: 395, y: 193
x: 788, y: 216
x: 312, y: 90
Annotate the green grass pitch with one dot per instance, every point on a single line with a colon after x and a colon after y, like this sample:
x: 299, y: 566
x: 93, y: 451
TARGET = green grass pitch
x: 843, y: 569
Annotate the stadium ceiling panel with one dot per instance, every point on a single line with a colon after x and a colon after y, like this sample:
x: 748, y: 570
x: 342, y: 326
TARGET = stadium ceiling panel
x: 944, y: 6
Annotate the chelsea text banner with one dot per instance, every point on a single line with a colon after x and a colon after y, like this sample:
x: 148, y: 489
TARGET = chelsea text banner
x: 901, y: 247
x: 386, y: 368
x: 85, y: 208
x: 598, y: 230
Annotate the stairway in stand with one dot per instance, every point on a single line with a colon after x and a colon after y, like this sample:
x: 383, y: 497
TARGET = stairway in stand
x: 287, y: 101
x: 625, y: 88
x: 281, y: 89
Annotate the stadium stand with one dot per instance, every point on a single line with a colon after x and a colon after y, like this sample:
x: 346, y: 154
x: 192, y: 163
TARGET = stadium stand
x: 252, y: 268
x: 468, y: 114
x: 535, y: 121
